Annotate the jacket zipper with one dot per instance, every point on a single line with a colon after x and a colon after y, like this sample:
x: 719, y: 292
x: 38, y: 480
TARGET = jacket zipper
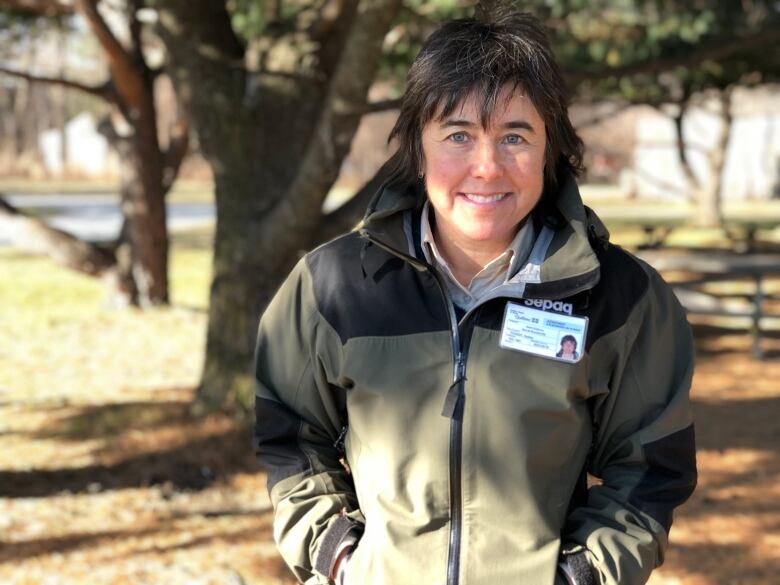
x: 456, y: 397
x: 455, y: 403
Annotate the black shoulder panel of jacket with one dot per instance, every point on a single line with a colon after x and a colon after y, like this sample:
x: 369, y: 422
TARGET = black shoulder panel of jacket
x: 623, y: 283
x: 363, y: 290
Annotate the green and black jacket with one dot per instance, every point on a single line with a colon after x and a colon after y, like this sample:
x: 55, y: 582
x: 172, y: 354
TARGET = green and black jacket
x: 384, y: 413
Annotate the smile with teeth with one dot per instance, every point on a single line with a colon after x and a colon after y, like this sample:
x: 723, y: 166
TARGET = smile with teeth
x: 484, y: 198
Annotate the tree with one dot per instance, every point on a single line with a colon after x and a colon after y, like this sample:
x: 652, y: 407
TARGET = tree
x: 148, y: 170
x: 671, y: 55
x: 275, y: 92
x: 275, y: 137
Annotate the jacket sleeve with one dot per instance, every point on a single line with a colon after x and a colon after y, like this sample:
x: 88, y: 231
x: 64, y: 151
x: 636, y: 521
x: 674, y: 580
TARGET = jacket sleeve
x: 644, y: 451
x: 298, y: 422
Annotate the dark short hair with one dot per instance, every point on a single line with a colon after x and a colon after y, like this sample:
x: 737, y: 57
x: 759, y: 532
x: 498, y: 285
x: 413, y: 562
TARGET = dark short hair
x: 571, y: 338
x: 480, y: 56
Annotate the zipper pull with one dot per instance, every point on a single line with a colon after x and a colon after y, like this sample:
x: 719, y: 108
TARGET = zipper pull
x: 460, y: 367
x: 456, y: 390
x: 342, y: 449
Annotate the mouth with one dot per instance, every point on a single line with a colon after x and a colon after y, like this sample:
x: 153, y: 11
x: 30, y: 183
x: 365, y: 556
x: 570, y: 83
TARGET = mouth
x: 485, y: 198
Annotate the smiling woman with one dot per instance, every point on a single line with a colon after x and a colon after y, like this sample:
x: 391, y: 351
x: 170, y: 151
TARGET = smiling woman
x: 482, y: 181
x: 434, y: 388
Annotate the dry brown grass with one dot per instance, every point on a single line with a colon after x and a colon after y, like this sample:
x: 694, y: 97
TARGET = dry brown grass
x: 105, y: 478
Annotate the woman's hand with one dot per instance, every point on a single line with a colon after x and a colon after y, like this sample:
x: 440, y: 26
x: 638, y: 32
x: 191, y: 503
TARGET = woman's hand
x: 340, y: 566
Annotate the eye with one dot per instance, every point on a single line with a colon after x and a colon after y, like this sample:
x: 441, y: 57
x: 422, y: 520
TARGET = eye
x: 458, y: 137
x: 513, y: 139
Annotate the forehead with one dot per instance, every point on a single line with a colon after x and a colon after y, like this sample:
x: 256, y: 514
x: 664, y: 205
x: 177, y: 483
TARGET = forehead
x: 487, y: 108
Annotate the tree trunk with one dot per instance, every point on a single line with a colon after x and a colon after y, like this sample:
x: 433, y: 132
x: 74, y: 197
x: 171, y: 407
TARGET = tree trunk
x: 142, y: 247
x: 275, y: 143
x: 143, y: 163
x: 710, y: 204
x: 62, y: 106
x: 143, y: 201
x: 707, y: 194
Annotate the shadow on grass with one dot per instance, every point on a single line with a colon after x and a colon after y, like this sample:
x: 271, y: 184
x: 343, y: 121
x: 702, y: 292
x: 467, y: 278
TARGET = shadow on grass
x: 737, y: 441
x: 203, y: 451
x: 713, y: 341
x: 746, y: 425
x: 259, y: 533
x: 721, y: 563
x: 25, y: 549
x: 109, y: 420
x: 192, y: 466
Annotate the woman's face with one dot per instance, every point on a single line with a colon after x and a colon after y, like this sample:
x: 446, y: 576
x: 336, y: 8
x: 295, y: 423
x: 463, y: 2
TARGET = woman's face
x: 568, y: 347
x: 482, y: 182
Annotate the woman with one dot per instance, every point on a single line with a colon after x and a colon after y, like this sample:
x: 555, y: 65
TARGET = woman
x: 411, y: 414
x: 568, y: 349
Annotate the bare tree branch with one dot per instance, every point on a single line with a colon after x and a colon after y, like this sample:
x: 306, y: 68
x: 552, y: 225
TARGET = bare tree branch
x: 599, y: 118
x: 329, y: 15
x: 349, y: 214
x: 682, y: 147
x: 103, y: 91
x: 382, y: 106
x: 38, y: 7
x: 125, y: 70
x: 32, y: 234
x: 301, y: 210
x: 712, y: 51
x: 133, y: 6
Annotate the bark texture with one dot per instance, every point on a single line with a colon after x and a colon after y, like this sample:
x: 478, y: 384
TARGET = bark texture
x: 142, y: 192
x: 275, y: 138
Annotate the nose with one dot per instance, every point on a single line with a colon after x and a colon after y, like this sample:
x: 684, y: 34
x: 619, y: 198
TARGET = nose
x: 486, y: 163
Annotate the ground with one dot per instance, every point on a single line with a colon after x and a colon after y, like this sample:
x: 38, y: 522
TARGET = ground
x: 106, y: 478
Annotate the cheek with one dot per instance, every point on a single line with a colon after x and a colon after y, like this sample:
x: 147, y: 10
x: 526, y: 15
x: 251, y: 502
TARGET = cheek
x: 529, y: 169
x: 442, y: 172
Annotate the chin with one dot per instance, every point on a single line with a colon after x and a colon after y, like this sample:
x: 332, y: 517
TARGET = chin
x: 488, y: 234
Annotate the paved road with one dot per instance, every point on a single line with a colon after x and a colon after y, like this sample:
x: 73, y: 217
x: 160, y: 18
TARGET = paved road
x: 97, y: 218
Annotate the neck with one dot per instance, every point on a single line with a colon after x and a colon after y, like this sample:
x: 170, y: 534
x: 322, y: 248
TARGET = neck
x: 467, y: 258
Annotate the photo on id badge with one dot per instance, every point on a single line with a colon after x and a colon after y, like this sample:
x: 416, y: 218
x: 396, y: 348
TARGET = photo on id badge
x: 547, y: 334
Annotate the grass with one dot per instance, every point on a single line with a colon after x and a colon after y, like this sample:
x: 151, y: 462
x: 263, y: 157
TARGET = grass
x: 107, y: 479
x: 35, y: 283
x: 58, y: 317
x: 190, y: 267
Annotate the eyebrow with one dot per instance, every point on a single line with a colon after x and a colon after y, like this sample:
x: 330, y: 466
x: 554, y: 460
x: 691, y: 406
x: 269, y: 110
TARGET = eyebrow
x: 512, y: 124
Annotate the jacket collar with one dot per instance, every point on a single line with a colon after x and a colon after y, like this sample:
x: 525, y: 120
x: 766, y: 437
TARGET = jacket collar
x: 562, y: 262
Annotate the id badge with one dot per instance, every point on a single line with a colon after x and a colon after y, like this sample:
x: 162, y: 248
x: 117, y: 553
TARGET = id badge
x: 550, y: 335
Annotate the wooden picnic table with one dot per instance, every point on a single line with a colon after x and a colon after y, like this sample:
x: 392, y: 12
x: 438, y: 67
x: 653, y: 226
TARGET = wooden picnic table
x: 704, y: 267
x: 657, y: 224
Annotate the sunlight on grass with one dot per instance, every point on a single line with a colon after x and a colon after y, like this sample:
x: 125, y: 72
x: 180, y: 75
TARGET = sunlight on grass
x: 55, y: 316
x: 190, y: 277
x: 35, y: 284
x: 190, y: 267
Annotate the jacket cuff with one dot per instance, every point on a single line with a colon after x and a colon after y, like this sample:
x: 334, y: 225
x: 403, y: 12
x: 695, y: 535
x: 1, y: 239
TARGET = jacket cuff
x: 342, y: 529
x: 576, y: 569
